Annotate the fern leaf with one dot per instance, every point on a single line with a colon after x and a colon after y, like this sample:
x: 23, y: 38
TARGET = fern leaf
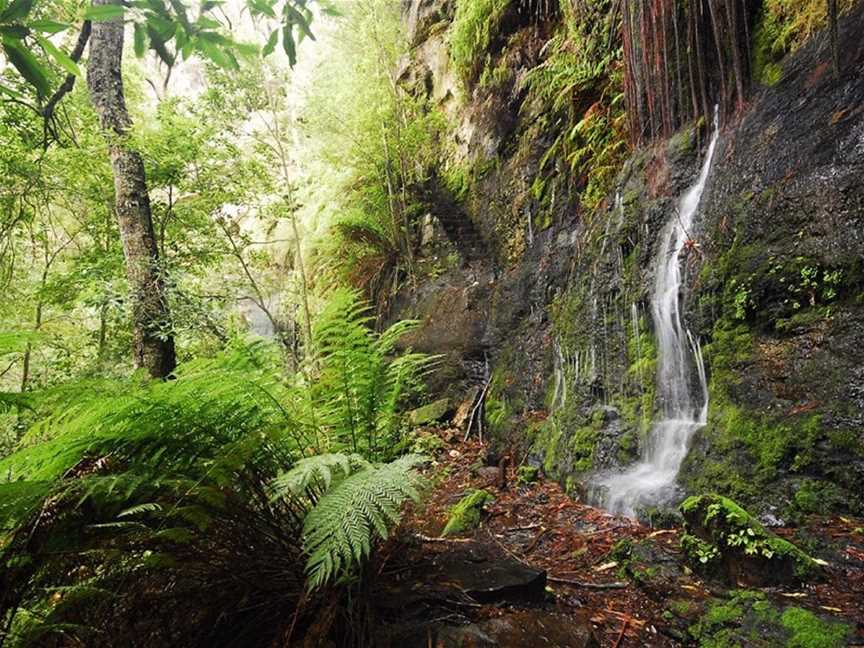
x: 340, y: 530
x: 147, y: 507
x: 314, y: 471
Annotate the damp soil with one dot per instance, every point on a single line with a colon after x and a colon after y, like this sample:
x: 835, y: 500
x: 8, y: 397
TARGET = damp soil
x: 543, y: 569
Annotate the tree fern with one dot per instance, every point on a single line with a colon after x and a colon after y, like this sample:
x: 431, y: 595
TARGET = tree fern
x: 203, y: 496
x: 340, y: 530
x: 315, y: 472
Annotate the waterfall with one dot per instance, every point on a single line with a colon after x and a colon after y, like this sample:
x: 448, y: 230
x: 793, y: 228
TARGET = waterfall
x: 682, y: 409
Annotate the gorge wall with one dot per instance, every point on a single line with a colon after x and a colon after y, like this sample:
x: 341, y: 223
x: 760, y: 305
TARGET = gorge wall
x: 544, y: 217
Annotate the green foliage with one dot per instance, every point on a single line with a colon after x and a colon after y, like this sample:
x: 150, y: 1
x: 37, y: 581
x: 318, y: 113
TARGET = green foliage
x: 527, y: 475
x: 580, y: 81
x: 339, y: 530
x: 214, y: 477
x: 370, y: 147
x: 474, y: 28
x: 163, y: 482
x: 360, y: 386
x: 783, y: 26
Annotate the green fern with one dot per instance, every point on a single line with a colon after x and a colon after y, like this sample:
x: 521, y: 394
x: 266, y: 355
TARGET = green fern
x: 361, y: 388
x: 206, y: 494
x: 315, y: 472
x: 340, y: 530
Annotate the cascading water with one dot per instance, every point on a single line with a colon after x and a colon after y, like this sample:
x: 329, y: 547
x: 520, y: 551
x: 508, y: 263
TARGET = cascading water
x: 652, y: 479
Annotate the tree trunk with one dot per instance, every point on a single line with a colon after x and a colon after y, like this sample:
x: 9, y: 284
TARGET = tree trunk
x: 152, y: 351
x: 835, y: 37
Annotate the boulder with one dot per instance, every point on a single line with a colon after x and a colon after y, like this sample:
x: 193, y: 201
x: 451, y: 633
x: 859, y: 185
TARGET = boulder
x: 465, y: 515
x: 723, y: 539
x: 493, y: 579
x: 431, y: 413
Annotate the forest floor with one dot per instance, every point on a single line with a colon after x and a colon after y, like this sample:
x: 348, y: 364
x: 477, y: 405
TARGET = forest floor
x: 609, y: 581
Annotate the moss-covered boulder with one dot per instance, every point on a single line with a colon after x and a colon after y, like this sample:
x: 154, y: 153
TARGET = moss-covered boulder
x: 434, y: 411
x: 722, y: 539
x: 465, y: 515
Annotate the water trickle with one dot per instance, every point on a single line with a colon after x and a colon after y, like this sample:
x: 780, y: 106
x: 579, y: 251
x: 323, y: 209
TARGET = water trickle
x: 683, y: 410
x: 637, y: 337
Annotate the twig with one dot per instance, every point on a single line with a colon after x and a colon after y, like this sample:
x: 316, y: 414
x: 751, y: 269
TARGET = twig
x: 425, y: 538
x: 476, y: 406
x: 536, y: 539
x: 529, y: 527
x: 506, y: 550
x: 621, y: 635
x: 583, y: 584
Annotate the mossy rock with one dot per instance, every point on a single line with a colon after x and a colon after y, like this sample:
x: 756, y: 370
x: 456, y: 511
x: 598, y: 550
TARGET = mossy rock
x: 434, y: 411
x: 465, y: 515
x: 647, y: 564
x: 748, y: 618
x: 724, y: 540
x: 527, y: 475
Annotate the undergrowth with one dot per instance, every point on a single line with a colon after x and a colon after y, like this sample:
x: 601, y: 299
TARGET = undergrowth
x: 219, y: 508
x: 783, y: 26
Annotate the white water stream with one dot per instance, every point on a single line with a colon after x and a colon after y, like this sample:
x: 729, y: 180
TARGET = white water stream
x: 683, y: 409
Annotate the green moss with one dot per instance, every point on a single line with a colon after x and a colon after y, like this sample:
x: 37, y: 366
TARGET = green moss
x: 582, y: 445
x: 465, y: 515
x: 622, y: 550
x: 501, y: 406
x: 809, y: 631
x: 681, y: 608
x: 684, y: 141
x: 814, y: 496
x: 638, y: 409
x: 749, y: 449
x: 748, y: 618
x: 527, y: 475
x: 434, y: 411
x: 718, y: 529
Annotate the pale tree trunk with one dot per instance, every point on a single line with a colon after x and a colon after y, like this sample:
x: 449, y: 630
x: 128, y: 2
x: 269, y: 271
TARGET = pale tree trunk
x: 147, y: 290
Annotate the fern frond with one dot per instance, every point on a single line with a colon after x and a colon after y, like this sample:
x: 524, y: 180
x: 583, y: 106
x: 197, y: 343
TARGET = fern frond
x: 340, y: 530
x: 315, y: 471
x: 146, y: 507
x: 19, y: 499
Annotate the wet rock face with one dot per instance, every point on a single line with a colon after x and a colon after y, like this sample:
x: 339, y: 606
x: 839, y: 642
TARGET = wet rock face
x: 562, y: 305
x: 778, y: 291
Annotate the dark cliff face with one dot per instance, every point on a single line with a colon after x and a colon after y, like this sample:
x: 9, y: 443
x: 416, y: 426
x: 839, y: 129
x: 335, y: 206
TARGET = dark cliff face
x: 549, y: 301
x: 780, y: 293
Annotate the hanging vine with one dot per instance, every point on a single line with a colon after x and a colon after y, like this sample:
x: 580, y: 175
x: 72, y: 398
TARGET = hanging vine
x: 683, y: 58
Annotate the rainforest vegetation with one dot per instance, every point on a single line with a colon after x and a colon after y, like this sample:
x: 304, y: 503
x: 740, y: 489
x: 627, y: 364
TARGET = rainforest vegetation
x: 308, y: 304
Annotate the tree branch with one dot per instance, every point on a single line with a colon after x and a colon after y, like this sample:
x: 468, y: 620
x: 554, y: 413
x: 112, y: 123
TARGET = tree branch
x: 68, y: 82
